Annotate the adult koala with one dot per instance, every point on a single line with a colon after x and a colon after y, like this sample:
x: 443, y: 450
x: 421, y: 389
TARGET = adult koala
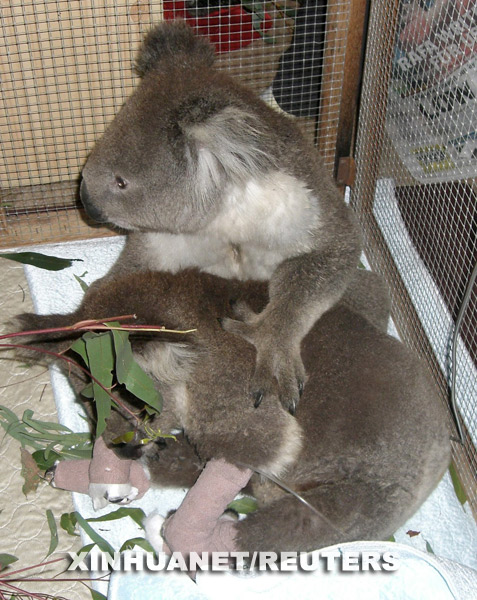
x: 204, y: 174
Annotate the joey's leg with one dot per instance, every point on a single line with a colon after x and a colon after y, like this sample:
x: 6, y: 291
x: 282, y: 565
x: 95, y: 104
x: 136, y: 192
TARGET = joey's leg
x: 197, y: 526
x: 106, y: 477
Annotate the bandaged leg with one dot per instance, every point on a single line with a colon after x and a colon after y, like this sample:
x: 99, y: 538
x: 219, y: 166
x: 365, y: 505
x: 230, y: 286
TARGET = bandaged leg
x: 198, y: 524
x: 106, y: 477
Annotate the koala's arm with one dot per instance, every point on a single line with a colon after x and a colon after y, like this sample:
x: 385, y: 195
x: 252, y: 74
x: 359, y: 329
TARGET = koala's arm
x: 302, y: 289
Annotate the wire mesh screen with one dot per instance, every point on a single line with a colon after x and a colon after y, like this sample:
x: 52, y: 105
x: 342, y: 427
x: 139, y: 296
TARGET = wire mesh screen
x: 415, y: 193
x: 66, y: 68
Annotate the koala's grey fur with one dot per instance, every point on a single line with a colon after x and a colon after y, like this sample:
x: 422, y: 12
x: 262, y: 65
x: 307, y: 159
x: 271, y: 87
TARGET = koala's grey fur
x: 203, y: 174
x: 369, y: 441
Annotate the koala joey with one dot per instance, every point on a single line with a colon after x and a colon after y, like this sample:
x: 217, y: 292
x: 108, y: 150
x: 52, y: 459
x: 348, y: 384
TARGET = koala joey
x: 203, y: 174
x: 369, y: 441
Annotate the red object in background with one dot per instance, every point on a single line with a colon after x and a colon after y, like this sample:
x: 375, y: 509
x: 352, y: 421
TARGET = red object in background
x: 228, y: 28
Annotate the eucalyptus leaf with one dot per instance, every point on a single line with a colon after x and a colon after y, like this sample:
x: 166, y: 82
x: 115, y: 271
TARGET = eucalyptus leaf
x: 96, y: 538
x: 141, y: 542
x: 79, y: 346
x: 43, y: 462
x: 79, y: 278
x: 95, y: 595
x: 244, y: 505
x: 125, y: 438
x: 42, y: 426
x: 136, y: 514
x: 68, y: 522
x: 6, y: 559
x: 101, y: 359
x: 458, y: 487
x: 88, y: 392
x: 42, y: 261
x: 53, y: 532
x: 86, y: 549
x: 129, y: 373
x: 45, y: 437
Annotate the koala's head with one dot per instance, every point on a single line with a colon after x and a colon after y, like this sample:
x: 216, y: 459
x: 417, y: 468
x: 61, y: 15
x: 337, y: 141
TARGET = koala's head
x: 185, y: 134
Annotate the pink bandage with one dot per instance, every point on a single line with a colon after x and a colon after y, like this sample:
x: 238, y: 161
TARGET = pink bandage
x: 104, y: 468
x: 198, y: 524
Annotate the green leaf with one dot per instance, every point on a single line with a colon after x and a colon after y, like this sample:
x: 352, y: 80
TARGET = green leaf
x: 136, y: 514
x: 88, y: 392
x: 50, y: 441
x: 68, y: 522
x: 87, y: 549
x: 97, y: 595
x: 80, y: 348
x: 141, y: 542
x: 84, y: 286
x: 6, y: 559
x: 458, y: 487
x: 97, y: 539
x: 53, y: 532
x: 125, y: 438
x: 429, y: 548
x: 44, y: 463
x: 244, y: 505
x: 129, y: 373
x: 42, y: 426
x: 101, y: 359
x: 42, y: 261
x: 391, y: 539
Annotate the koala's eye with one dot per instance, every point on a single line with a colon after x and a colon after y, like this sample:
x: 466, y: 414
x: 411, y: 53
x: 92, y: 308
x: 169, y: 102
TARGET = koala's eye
x: 121, y: 183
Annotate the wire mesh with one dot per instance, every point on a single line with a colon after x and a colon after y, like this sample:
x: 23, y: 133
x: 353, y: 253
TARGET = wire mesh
x: 416, y: 155
x: 67, y: 67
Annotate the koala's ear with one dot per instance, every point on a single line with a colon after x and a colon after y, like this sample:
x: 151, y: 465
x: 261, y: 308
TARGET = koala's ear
x: 229, y: 142
x: 172, y: 42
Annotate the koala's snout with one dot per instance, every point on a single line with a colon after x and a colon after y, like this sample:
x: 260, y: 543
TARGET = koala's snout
x: 89, y: 207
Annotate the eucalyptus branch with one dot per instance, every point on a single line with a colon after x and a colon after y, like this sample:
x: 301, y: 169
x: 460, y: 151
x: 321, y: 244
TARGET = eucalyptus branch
x: 76, y: 364
x: 97, y: 325
x: 13, y: 591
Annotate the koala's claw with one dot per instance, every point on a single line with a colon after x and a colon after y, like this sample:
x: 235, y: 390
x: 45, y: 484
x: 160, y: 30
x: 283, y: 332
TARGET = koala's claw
x: 103, y: 494
x: 49, y: 475
x: 277, y: 361
x: 258, y: 397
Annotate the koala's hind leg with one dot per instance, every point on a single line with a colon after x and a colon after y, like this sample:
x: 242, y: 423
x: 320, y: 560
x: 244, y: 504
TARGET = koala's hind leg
x: 346, y: 511
x: 198, y: 524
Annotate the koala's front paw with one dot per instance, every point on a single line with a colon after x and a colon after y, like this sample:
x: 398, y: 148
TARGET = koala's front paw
x: 286, y: 367
x: 278, y: 363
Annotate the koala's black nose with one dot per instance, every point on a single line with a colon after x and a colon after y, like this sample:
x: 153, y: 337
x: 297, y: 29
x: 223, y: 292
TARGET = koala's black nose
x: 90, y: 209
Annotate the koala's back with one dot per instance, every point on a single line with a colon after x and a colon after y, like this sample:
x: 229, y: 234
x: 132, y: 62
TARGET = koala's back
x: 375, y: 392
x: 375, y: 442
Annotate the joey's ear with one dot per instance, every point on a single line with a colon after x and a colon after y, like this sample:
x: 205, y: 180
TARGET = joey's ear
x: 229, y: 141
x: 173, y: 42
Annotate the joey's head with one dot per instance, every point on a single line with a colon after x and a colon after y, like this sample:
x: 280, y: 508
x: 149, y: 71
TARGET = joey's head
x: 185, y: 134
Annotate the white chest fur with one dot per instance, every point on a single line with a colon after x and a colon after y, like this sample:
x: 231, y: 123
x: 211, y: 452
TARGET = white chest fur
x: 261, y: 223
